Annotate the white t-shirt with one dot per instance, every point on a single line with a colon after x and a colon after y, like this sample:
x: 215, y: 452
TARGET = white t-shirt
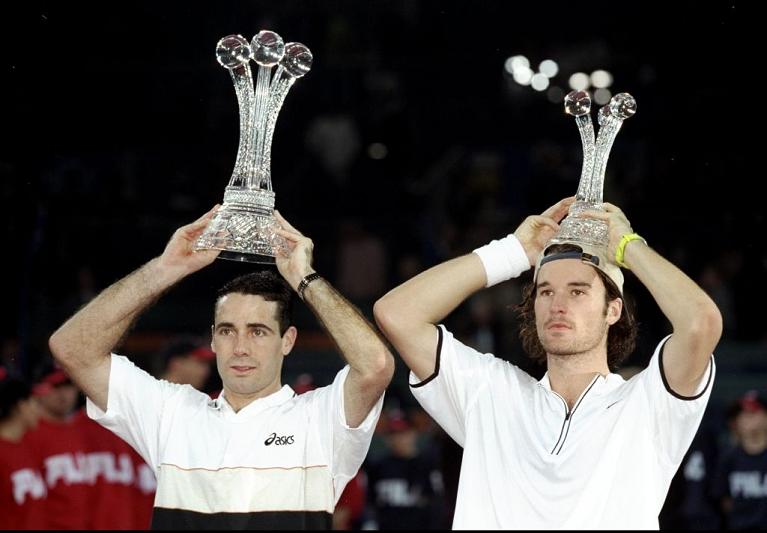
x: 280, y: 462
x: 528, y: 464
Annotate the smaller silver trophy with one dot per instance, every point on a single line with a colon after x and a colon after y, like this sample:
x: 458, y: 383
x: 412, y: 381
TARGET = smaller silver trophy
x: 575, y: 229
x: 244, y: 227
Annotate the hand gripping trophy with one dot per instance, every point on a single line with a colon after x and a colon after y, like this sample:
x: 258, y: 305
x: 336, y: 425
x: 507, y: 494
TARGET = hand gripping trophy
x: 588, y: 233
x: 244, y: 226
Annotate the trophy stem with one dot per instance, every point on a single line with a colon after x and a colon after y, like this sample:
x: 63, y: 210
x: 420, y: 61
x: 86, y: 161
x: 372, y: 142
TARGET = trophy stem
x: 586, y: 129
x: 607, y: 133
x: 259, y: 124
x: 243, y: 86
x: 277, y: 97
x: 276, y: 77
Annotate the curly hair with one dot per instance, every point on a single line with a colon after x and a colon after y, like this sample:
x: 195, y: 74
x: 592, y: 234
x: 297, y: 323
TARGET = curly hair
x: 621, y: 336
x: 270, y: 286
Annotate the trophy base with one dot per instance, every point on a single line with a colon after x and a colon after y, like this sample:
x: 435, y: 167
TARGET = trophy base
x: 244, y: 231
x: 575, y: 229
x: 247, y: 258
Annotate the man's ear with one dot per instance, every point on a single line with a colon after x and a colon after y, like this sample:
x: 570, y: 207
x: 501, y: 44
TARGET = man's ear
x: 289, y: 340
x: 614, y: 310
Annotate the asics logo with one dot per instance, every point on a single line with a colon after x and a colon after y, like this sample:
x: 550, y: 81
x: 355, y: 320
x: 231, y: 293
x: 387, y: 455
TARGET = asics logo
x: 278, y: 440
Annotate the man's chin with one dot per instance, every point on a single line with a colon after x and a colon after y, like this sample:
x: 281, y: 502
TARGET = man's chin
x: 558, y: 349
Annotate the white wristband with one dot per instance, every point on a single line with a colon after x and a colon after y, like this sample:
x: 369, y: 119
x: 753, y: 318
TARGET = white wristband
x: 503, y: 259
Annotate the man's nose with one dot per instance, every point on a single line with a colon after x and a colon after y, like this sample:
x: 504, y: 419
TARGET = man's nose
x: 240, y: 346
x: 559, y: 304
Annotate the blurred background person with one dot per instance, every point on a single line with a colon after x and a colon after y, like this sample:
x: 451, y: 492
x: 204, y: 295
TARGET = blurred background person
x: 405, y: 487
x: 691, y: 503
x: 741, y: 479
x: 188, y: 361
x: 22, y: 487
x: 60, y: 445
x: 94, y: 479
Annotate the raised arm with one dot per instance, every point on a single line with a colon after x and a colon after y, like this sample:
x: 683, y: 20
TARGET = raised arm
x: 371, y: 364
x: 695, y: 318
x: 82, y: 345
x: 408, y: 313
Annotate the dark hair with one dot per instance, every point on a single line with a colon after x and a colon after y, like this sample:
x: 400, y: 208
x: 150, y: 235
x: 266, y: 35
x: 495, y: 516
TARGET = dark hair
x: 270, y: 286
x: 12, y: 391
x: 621, y: 336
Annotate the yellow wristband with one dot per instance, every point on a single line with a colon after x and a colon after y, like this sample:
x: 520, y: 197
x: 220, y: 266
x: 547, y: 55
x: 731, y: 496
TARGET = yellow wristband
x: 627, y: 238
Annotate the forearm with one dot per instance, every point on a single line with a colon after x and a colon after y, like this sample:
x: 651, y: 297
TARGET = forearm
x: 92, y: 333
x: 358, y: 341
x: 432, y: 295
x: 695, y: 319
x: 681, y: 300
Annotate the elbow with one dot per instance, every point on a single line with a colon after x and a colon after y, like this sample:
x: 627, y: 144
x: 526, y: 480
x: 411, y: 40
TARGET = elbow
x: 56, y: 346
x: 385, y: 367
x: 380, y: 373
x: 713, y: 323
x: 385, y: 315
x: 59, y: 348
x: 707, y: 325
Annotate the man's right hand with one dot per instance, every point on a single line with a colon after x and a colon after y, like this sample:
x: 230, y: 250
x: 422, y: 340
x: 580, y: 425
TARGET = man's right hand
x: 536, y: 230
x: 179, y: 258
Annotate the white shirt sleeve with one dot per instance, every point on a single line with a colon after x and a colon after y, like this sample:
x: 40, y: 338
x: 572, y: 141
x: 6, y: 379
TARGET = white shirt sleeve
x: 459, y: 375
x: 675, y: 418
x: 135, y: 406
x: 346, y: 447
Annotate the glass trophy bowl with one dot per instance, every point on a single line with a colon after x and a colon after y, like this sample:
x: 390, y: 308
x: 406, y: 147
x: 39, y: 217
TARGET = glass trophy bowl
x: 244, y: 227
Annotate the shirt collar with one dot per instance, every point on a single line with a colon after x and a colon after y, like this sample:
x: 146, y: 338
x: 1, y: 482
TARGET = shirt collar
x: 256, y: 406
x: 603, y: 383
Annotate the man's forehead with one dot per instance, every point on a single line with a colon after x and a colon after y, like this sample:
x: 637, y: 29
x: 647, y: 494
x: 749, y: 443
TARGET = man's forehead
x: 237, y: 307
x: 564, y: 271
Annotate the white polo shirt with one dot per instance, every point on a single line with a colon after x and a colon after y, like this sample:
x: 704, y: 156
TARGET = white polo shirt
x: 530, y: 463
x: 282, y: 462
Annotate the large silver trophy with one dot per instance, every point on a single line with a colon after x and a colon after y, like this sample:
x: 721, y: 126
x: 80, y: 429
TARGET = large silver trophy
x: 244, y: 227
x: 590, y: 231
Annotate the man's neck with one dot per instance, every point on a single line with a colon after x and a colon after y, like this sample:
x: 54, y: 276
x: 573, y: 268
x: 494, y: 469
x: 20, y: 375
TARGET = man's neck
x: 569, y: 375
x: 240, y: 401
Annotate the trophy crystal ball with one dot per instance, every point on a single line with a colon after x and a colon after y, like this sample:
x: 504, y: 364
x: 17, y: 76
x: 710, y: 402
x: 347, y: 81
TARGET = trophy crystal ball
x: 589, y: 231
x: 244, y: 226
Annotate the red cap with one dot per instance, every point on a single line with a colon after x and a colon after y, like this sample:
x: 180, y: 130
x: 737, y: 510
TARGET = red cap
x: 397, y: 422
x: 53, y: 378
x: 304, y: 383
x: 752, y: 402
x: 203, y: 353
